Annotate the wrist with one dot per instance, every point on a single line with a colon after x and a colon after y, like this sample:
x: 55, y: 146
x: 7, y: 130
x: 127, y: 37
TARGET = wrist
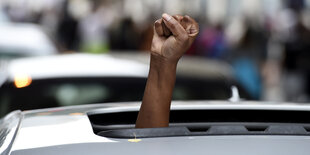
x: 161, y: 63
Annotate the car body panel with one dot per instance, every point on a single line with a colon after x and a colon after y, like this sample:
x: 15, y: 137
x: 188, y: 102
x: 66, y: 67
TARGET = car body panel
x: 67, y: 130
x: 219, y: 145
x: 9, y: 126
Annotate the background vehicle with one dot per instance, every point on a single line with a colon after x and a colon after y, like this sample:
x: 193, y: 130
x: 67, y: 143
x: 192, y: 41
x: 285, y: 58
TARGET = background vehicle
x: 21, y: 40
x: 74, y: 79
x: 196, y: 128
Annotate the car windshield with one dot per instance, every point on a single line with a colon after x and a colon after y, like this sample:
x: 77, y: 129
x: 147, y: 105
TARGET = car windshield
x: 48, y: 93
x: 7, y: 53
x: 68, y: 91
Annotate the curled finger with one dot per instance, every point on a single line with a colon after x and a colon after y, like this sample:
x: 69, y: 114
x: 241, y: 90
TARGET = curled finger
x: 191, y: 26
x: 158, y: 27
x: 175, y: 27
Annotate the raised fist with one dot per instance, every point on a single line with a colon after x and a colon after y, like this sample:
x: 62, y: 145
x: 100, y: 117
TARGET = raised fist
x: 173, y: 35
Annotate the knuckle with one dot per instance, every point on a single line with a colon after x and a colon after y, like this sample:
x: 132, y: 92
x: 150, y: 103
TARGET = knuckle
x: 173, y: 26
x: 153, y: 46
x: 154, y: 50
x: 184, y: 37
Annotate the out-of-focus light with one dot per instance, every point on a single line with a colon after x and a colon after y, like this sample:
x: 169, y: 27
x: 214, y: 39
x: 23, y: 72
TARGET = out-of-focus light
x: 22, y: 80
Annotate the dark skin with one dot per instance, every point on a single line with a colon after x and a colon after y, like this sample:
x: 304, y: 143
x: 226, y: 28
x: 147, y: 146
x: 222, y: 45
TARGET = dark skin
x: 173, y: 35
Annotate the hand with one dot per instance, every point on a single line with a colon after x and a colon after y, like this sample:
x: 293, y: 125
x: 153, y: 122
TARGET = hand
x: 168, y: 47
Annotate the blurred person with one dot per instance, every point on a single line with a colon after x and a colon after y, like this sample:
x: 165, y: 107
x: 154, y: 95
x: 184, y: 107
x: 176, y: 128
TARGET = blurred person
x: 94, y: 28
x: 126, y: 36
x: 211, y: 42
x: 147, y: 34
x: 296, y: 61
x: 50, y: 16
x: 166, y: 51
x: 146, y: 38
x: 248, y: 56
x: 287, y: 77
x: 67, y: 30
x: 296, y: 5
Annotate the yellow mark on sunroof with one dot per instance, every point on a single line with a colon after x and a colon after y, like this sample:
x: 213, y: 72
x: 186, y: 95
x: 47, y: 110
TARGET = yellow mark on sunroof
x: 134, y: 140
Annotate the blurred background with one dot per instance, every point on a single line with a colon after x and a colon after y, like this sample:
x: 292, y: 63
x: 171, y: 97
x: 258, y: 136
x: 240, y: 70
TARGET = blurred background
x: 265, y: 43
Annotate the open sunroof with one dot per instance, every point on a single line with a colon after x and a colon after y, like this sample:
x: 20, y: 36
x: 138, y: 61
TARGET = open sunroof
x: 206, y: 122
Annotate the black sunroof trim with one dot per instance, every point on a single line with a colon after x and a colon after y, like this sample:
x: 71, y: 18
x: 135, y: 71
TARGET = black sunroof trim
x: 206, y: 122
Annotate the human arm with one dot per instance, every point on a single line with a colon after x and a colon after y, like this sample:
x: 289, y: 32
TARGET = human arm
x: 165, y: 54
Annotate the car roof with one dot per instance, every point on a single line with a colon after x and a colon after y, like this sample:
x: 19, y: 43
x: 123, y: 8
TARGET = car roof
x: 75, y: 65
x: 68, y: 130
x: 219, y: 145
x: 112, y: 64
x: 187, y: 65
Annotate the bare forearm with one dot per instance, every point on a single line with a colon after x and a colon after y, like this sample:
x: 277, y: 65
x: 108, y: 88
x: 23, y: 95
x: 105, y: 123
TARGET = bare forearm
x: 156, y: 102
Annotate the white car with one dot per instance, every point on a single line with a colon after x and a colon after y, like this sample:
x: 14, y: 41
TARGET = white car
x: 73, y: 79
x: 20, y: 40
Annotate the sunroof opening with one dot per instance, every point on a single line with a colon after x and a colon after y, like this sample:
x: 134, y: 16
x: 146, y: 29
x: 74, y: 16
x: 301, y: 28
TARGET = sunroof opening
x: 307, y: 128
x: 256, y: 128
x: 198, y: 129
x: 208, y: 122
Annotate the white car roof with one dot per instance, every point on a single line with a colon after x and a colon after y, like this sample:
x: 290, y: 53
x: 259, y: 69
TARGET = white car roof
x: 67, y: 130
x: 112, y: 64
x: 188, y: 65
x: 75, y: 65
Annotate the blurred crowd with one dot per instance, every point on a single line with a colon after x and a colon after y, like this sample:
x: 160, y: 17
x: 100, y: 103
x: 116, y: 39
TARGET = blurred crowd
x: 267, y: 42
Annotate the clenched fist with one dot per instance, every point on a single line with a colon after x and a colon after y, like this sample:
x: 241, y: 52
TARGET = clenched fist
x: 173, y: 35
